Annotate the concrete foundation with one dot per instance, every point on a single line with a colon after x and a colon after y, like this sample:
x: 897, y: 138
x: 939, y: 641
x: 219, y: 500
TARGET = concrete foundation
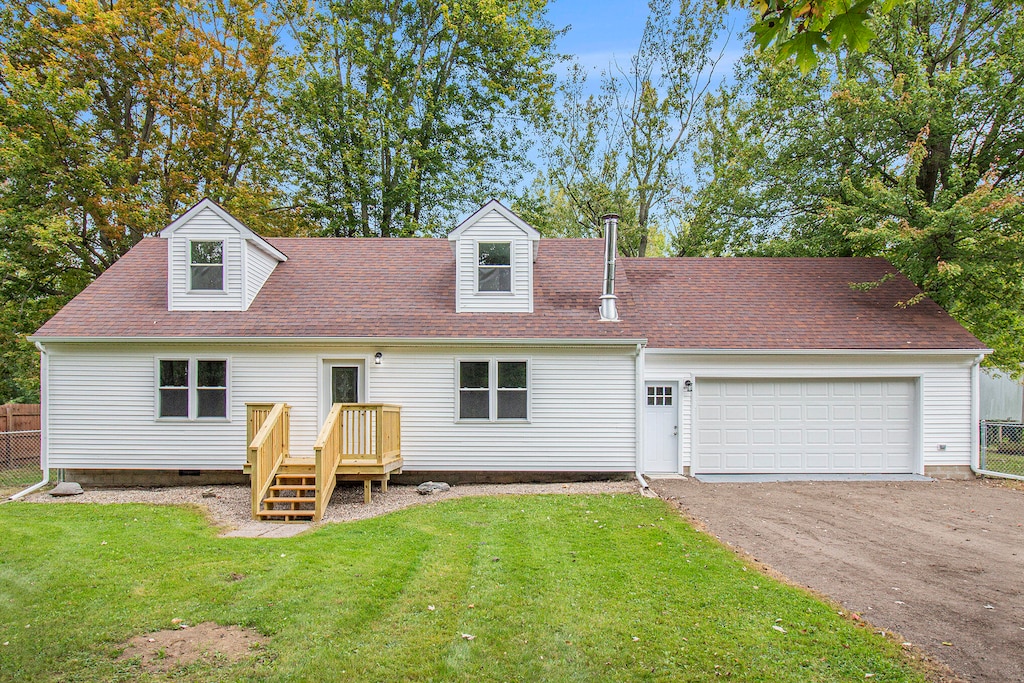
x: 949, y: 471
x: 154, y: 478
x: 416, y: 478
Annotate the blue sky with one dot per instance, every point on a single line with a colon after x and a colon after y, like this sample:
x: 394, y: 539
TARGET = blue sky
x: 603, y: 30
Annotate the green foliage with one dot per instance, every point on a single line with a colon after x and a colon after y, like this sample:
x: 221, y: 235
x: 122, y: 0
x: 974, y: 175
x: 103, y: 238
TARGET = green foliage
x: 802, y: 31
x: 114, y: 118
x: 409, y: 109
x: 551, y: 588
x: 911, y: 151
x: 622, y: 150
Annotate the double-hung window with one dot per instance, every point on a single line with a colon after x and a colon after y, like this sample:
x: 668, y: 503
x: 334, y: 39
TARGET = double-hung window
x: 192, y: 388
x: 206, y: 265
x: 493, y: 390
x: 494, y: 267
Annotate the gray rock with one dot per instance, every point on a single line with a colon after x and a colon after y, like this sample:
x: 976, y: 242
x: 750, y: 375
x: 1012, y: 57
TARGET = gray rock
x: 67, y: 488
x: 429, y: 487
x: 209, y: 493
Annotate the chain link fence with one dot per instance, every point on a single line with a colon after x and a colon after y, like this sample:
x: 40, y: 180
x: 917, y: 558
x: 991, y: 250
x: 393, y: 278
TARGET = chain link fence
x: 1002, y: 447
x: 19, y: 461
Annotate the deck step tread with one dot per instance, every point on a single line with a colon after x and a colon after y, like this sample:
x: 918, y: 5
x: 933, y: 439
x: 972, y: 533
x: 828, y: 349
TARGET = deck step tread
x: 306, y: 514
x: 293, y: 487
x: 290, y: 499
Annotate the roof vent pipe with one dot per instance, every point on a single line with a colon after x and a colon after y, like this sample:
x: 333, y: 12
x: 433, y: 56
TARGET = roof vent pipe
x: 609, y: 310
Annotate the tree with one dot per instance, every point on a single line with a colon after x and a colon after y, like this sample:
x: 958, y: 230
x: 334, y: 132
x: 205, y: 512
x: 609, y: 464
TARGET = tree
x: 114, y: 117
x: 912, y: 151
x: 411, y: 109
x: 802, y: 30
x: 621, y: 150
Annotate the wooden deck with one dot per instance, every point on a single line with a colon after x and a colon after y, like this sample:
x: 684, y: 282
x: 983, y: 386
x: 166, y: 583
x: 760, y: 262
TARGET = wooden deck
x: 358, y: 442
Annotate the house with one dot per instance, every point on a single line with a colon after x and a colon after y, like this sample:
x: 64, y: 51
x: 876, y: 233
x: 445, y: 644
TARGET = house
x: 506, y: 353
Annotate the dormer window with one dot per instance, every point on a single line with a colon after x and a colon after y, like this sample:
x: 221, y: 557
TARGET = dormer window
x: 494, y: 267
x: 207, y: 265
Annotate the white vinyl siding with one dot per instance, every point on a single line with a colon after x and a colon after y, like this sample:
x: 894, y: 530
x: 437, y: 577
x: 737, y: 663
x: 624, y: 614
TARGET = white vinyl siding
x: 942, y: 406
x: 258, y: 267
x: 246, y: 266
x: 582, y: 402
x: 493, y: 227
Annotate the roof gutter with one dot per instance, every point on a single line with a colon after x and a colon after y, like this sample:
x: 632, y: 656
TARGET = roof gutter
x: 379, y: 341
x: 44, y: 450
x: 818, y: 352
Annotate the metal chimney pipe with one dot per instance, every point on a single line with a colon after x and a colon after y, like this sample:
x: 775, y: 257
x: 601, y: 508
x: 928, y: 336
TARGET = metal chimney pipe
x: 609, y: 310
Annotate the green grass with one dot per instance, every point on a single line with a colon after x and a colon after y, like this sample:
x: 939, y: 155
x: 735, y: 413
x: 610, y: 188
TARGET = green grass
x: 1011, y: 463
x: 20, y: 478
x: 563, y: 588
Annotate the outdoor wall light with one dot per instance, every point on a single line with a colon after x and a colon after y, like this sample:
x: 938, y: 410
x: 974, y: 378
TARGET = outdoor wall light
x: 688, y: 385
x: 378, y: 358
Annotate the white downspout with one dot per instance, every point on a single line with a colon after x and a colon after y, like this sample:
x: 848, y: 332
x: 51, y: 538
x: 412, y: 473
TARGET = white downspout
x: 44, y: 422
x: 639, y: 415
x: 976, y: 422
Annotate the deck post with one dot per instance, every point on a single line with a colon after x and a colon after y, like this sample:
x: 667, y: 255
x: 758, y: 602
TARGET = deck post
x: 366, y: 491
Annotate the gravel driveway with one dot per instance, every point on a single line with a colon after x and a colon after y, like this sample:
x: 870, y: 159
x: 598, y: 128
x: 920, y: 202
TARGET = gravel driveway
x: 941, y: 563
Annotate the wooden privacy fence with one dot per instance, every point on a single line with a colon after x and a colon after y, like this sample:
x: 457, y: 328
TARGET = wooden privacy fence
x: 19, y: 417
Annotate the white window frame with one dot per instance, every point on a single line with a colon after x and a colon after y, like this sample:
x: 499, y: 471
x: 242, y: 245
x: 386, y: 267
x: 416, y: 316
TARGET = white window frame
x: 193, y: 389
x: 492, y: 390
x: 511, y: 267
x: 223, y: 265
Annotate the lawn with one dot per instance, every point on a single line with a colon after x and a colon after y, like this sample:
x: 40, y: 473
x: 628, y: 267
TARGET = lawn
x: 17, y: 479
x: 552, y: 588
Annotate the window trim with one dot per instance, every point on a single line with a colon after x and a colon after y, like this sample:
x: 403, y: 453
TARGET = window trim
x: 223, y: 266
x: 511, y: 267
x: 193, y: 388
x: 492, y: 389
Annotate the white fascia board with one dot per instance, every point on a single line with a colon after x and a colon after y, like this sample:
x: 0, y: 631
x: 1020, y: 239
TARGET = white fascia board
x: 494, y: 205
x: 380, y: 341
x: 816, y: 352
x: 223, y: 214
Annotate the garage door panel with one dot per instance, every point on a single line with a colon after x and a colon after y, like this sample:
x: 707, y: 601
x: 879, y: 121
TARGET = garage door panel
x: 791, y: 413
x: 844, y: 412
x: 709, y: 413
x: 818, y: 413
x: 845, y: 425
x: 845, y: 460
x: 870, y: 412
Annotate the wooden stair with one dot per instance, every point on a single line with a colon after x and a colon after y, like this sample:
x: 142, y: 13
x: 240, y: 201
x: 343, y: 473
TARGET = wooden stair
x: 292, y: 496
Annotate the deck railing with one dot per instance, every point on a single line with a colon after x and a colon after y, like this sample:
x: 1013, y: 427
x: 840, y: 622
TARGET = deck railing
x: 327, y: 451
x: 268, y: 447
x: 368, y: 434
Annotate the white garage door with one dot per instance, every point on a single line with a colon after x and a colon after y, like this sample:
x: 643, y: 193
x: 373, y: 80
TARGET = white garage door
x: 804, y: 426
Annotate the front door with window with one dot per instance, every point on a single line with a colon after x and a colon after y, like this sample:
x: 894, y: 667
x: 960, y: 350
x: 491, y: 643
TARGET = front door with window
x: 661, y: 431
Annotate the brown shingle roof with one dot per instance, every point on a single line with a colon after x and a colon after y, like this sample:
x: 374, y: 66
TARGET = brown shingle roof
x: 405, y: 288
x: 785, y: 303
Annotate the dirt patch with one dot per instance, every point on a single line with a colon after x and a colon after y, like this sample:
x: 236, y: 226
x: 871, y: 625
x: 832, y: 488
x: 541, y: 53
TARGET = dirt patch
x: 166, y: 650
x: 938, y: 562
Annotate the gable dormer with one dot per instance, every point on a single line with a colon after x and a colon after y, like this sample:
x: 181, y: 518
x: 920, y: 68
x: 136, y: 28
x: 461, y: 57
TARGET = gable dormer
x: 494, y: 254
x: 214, y: 263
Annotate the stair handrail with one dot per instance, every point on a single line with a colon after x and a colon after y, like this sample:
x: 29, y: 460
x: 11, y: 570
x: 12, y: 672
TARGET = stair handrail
x: 267, y: 451
x: 327, y: 451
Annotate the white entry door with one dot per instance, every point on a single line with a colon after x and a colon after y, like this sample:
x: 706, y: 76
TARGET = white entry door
x: 661, y: 428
